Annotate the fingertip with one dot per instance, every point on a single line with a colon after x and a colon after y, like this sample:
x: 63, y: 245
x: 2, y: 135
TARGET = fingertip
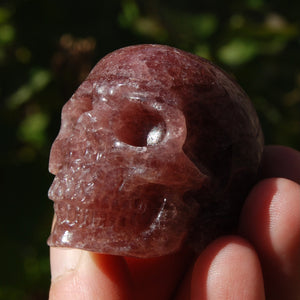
x: 272, y: 213
x: 254, y: 217
x: 227, y: 269
x: 271, y: 221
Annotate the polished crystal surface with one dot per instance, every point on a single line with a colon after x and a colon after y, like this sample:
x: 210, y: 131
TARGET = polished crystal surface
x: 157, y: 148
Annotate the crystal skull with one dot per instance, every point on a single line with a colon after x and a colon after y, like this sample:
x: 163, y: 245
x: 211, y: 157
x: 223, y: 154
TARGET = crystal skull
x: 157, y: 148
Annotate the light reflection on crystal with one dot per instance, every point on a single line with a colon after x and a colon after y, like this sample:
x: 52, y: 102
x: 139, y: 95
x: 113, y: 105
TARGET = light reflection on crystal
x: 154, y: 136
x: 67, y: 237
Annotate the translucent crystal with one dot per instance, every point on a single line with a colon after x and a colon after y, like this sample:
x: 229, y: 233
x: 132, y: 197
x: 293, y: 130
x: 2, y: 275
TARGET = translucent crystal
x: 157, y: 148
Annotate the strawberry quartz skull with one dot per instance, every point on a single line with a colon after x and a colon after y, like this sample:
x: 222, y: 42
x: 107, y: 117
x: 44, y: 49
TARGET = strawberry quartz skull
x: 157, y: 148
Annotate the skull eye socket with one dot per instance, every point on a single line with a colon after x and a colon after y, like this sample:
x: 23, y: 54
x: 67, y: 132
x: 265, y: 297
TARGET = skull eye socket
x: 139, y: 126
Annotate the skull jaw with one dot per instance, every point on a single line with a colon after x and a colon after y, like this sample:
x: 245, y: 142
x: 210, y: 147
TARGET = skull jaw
x: 112, y: 233
x: 156, y: 244
x: 152, y: 243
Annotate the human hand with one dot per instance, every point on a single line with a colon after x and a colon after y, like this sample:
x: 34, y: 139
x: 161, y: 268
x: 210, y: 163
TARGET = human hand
x: 263, y: 262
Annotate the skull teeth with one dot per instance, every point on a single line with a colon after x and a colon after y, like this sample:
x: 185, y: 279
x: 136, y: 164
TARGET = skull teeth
x: 77, y: 217
x: 116, y: 203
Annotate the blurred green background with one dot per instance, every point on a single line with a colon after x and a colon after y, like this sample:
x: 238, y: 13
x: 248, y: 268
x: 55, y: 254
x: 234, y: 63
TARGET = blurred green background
x: 48, y: 47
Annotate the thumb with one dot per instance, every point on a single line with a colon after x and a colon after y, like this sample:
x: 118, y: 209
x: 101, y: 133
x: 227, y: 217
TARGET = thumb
x: 78, y: 274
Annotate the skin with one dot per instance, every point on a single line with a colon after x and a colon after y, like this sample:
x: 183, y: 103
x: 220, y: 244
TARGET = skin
x: 261, y: 262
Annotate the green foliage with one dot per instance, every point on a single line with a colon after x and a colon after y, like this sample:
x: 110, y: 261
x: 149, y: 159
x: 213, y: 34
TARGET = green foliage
x: 48, y: 47
x: 38, y: 79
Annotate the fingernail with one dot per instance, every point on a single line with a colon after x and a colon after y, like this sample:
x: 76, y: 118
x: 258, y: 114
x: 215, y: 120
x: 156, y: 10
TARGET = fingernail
x: 63, y: 261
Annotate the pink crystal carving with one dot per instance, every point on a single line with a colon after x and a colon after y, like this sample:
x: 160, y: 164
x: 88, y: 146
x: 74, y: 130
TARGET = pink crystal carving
x: 157, y: 148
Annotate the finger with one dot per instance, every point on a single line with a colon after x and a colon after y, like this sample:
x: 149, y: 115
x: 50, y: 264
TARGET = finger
x: 270, y: 220
x: 159, y: 277
x: 78, y: 274
x: 227, y: 269
x: 281, y: 161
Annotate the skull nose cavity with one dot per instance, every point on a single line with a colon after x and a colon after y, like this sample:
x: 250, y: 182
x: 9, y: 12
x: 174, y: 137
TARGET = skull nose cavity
x: 139, y: 126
